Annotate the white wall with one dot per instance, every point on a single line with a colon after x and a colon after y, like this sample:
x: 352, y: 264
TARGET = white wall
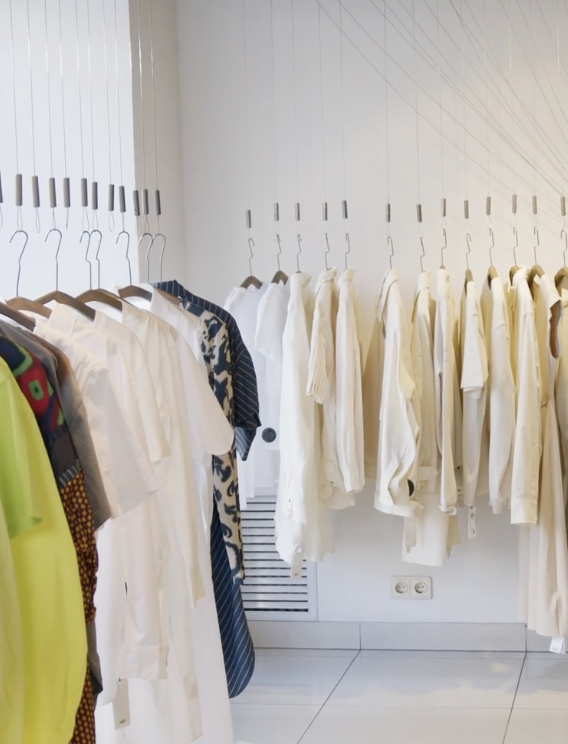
x: 108, y: 147
x: 480, y: 581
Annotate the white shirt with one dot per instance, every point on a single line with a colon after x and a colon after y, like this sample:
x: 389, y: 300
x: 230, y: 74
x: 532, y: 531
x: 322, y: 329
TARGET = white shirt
x: 448, y: 402
x: 548, y: 555
x: 501, y: 399
x: 422, y: 347
x: 528, y: 430
x: 474, y: 381
x: 302, y: 521
x: 322, y: 384
x: 399, y: 419
x: 271, y: 319
x: 562, y: 376
x: 349, y: 382
x: 372, y: 387
x: 243, y: 305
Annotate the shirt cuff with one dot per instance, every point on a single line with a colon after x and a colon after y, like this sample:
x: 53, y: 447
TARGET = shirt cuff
x: 146, y: 662
x: 524, y: 512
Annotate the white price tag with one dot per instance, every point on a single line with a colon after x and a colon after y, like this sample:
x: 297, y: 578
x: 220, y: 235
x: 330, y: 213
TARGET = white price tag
x: 471, y: 527
x: 558, y: 645
x: 121, y: 705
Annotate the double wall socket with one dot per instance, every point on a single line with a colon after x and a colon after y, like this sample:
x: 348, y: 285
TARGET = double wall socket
x: 411, y: 587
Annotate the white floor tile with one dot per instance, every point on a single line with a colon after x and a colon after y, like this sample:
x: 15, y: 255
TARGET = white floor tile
x: 293, y: 680
x: 429, y: 682
x: 311, y: 652
x: 502, y: 655
x: 272, y: 724
x: 538, y: 727
x: 346, y: 725
x: 544, y: 683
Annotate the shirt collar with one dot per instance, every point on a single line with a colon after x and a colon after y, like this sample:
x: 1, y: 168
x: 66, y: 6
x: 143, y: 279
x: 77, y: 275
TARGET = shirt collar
x: 423, y: 281
x: 326, y: 277
x: 346, y: 276
x: 390, y: 279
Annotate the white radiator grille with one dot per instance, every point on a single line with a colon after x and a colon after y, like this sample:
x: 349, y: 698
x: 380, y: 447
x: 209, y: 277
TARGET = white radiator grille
x: 268, y: 587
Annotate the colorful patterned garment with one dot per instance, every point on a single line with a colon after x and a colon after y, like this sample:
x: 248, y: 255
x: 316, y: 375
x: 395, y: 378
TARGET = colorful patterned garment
x: 32, y: 381
x: 238, y: 648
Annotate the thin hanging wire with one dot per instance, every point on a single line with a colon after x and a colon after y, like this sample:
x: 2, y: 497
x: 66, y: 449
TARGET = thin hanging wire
x: 30, y: 62
x: 464, y: 111
x: 63, y: 108
x: 440, y: 93
x: 155, y: 127
x: 451, y: 116
x: 19, y: 221
x: 459, y: 92
x: 342, y: 85
x: 387, y: 142
x: 85, y: 216
x: 49, y: 117
x: 274, y: 114
x: 247, y: 123
x: 118, y: 100
x: 142, y: 109
x: 417, y: 120
x: 322, y: 106
x: 295, y: 100
x: 107, y: 90
x: 95, y: 218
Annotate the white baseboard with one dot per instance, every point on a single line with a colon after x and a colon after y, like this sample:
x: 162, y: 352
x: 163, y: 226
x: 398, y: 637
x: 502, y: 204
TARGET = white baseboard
x: 396, y: 636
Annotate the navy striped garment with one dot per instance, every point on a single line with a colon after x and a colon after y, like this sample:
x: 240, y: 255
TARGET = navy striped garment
x: 233, y: 380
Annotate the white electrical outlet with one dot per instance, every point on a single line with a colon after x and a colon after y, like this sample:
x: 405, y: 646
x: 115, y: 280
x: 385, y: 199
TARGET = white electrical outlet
x: 411, y: 587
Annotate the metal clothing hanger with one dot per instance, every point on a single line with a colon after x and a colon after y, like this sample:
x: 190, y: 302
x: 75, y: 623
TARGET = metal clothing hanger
x: 348, y: 251
x: 132, y: 290
x: 279, y: 276
x: 536, y: 270
x: 299, y: 253
x: 20, y: 231
x: 251, y: 279
x: 492, y: 271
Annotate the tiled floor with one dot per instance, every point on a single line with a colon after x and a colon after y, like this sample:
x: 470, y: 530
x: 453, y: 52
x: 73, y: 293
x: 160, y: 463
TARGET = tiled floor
x: 399, y: 697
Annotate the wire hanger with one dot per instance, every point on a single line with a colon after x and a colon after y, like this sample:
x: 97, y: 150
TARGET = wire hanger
x: 59, y: 241
x: 327, y: 249
x: 536, y: 269
x: 279, y: 276
x: 20, y: 231
x: 492, y: 271
x: 515, y: 225
x: 251, y: 279
x: 299, y: 253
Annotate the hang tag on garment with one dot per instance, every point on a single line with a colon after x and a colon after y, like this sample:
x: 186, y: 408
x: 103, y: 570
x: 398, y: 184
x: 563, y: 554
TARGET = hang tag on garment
x: 121, y: 705
x: 558, y: 645
x: 471, y: 527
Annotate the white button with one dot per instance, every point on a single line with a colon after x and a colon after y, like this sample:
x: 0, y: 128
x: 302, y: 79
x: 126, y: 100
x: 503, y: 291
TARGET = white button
x: 299, y: 549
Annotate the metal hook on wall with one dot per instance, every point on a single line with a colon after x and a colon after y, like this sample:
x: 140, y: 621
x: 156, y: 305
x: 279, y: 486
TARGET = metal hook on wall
x: 125, y: 232
x: 537, y: 244
x: 327, y: 251
x: 251, y: 246
x: 26, y: 239
x: 279, y: 253
x: 60, y: 234
x: 468, y: 251
x: 299, y: 239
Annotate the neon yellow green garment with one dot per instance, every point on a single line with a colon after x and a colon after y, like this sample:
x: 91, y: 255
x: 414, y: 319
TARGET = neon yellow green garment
x: 47, y: 580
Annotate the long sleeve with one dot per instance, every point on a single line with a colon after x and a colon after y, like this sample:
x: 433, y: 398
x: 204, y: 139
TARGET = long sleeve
x: 399, y: 415
x: 372, y: 386
x: 349, y: 392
